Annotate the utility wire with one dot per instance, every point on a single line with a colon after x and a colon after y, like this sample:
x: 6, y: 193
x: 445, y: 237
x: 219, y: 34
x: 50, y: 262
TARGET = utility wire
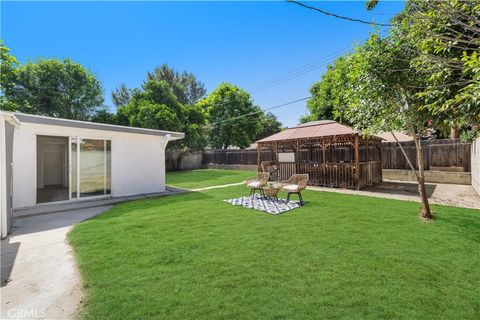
x: 339, y: 16
x: 296, y: 74
x: 305, y: 67
x: 275, y: 83
x: 260, y: 111
x: 309, y: 67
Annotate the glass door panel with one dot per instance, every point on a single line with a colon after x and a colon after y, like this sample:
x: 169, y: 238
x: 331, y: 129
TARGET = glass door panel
x: 74, y: 168
x: 108, y: 173
x: 92, y: 167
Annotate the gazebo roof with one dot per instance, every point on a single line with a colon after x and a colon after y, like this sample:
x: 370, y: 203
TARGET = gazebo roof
x: 314, y: 129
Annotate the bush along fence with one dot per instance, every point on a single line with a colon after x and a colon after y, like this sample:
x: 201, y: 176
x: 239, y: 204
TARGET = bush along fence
x: 445, y: 154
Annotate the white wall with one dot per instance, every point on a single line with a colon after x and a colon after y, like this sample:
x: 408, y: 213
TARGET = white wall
x: 476, y: 165
x: 3, y: 181
x: 138, y: 160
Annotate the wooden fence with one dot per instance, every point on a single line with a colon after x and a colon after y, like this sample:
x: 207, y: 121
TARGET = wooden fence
x: 438, y: 153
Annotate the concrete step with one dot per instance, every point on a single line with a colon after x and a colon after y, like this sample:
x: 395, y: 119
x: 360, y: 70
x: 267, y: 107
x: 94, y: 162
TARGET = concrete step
x: 83, y: 204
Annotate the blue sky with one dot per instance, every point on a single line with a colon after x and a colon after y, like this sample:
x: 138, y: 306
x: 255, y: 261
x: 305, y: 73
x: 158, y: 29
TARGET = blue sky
x: 245, y: 43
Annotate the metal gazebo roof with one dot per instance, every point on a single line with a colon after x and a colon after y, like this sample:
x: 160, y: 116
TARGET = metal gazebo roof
x: 312, y: 130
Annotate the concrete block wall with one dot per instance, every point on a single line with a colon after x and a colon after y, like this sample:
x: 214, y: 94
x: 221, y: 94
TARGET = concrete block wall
x: 430, y: 176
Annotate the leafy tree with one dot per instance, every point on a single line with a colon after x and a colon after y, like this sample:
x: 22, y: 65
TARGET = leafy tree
x: 8, y: 77
x: 185, y: 86
x: 446, y: 36
x: 121, y: 96
x: 56, y: 88
x: 156, y: 107
x: 385, y: 96
x: 424, y: 75
x: 329, y: 97
x: 104, y: 116
x: 226, y: 108
x: 146, y: 107
x: 268, y: 125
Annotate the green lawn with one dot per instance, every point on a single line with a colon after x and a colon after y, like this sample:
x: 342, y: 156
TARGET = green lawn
x: 192, y: 256
x: 193, y: 179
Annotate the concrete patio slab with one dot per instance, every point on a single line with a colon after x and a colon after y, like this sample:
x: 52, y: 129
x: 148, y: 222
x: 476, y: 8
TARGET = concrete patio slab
x: 463, y: 196
x: 39, y: 277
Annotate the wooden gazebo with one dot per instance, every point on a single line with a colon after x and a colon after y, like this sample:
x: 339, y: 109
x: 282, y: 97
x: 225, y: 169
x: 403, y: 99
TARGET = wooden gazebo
x: 333, y: 155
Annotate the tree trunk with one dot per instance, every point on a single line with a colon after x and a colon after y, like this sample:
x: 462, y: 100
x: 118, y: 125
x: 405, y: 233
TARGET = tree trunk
x: 426, y: 213
x: 177, y: 162
x: 454, y: 133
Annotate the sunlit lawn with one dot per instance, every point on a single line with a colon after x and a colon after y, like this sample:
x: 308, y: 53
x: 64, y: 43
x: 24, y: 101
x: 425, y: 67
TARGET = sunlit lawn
x: 193, y: 256
x: 206, y: 177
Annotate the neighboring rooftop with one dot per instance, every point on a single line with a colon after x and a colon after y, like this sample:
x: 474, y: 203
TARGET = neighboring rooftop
x: 29, y: 118
x: 388, y: 137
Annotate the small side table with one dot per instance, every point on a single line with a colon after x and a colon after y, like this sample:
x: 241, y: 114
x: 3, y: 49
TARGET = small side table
x: 271, y: 192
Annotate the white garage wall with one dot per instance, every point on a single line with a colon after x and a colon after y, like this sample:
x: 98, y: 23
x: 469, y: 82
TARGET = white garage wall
x: 138, y: 160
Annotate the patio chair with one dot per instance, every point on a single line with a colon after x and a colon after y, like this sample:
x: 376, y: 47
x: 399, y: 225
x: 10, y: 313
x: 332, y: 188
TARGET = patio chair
x: 264, y: 165
x: 273, y: 170
x: 295, y: 185
x: 257, y: 183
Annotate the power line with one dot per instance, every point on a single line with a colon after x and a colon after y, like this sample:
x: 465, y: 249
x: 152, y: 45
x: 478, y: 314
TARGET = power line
x: 275, y: 83
x: 307, y: 66
x: 295, y: 74
x: 300, y: 71
x: 260, y: 111
x: 339, y: 16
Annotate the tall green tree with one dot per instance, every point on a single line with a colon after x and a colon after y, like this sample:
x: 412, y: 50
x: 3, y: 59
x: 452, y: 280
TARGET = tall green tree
x: 8, y: 78
x: 104, y: 115
x: 56, y: 88
x: 384, y: 97
x: 185, y: 85
x: 121, y: 96
x: 155, y: 106
x: 268, y: 125
x: 329, y: 96
x: 424, y: 74
x: 446, y: 37
x: 232, y: 116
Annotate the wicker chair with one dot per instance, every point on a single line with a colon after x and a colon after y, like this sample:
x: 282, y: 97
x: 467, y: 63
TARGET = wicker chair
x: 264, y: 165
x: 295, y: 185
x: 258, y: 182
x: 273, y: 170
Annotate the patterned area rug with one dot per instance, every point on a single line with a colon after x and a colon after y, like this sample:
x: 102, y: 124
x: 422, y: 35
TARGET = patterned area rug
x: 269, y: 206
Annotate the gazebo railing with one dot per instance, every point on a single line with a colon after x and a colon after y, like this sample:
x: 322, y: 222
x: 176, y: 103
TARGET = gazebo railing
x: 340, y: 175
x: 370, y: 173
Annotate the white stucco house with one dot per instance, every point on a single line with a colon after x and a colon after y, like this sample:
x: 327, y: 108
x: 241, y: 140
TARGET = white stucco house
x: 51, y: 160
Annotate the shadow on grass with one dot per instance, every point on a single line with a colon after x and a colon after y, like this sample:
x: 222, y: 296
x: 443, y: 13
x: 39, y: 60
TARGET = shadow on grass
x: 465, y: 223
x: 400, y: 188
x: 205, y: 177
x: 147, y: 204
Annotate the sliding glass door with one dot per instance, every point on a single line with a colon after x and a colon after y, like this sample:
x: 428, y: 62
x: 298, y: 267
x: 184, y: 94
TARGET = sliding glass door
x: 90, y: 167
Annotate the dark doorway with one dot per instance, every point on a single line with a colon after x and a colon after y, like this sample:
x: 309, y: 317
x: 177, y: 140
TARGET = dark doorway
x: 52, y: 169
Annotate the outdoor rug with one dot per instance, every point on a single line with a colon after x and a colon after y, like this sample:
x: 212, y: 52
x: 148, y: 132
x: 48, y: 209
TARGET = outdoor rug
x: 259, y: 203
